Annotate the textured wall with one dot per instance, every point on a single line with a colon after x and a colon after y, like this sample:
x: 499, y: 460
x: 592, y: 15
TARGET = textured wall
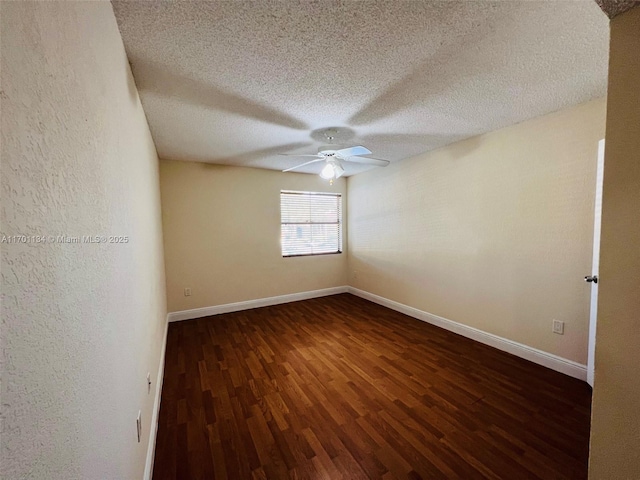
x: 615, y: 425
x: 222, y: 235
x: 82, y: 324
x: 494, y: 232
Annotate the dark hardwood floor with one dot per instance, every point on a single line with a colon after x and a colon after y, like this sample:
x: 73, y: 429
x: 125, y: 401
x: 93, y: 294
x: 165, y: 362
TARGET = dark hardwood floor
x: 341, y: 388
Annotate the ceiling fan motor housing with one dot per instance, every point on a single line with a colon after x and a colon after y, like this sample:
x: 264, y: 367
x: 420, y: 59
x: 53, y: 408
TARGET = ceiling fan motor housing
x: 327, y: 150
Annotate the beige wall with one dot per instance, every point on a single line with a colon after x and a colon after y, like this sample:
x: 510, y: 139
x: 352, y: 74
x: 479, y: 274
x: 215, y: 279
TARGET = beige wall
x: 222, y: 235
x: 82, y: 324
x: 494, y: 232
x: 615, y: 425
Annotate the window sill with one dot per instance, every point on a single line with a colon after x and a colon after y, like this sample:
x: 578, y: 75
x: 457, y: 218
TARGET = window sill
x: 311, y: 254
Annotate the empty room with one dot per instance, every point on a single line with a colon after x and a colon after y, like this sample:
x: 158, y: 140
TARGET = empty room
x: 329, y: 239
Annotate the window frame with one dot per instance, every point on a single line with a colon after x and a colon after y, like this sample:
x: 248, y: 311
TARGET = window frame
x: 340, y: 222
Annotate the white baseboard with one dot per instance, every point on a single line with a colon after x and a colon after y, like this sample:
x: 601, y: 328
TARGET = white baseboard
x: 246, y: 305
x: 151, y: 449
x: 554, y: 362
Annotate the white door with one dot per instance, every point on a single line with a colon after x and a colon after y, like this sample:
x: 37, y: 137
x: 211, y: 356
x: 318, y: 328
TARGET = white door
x: 595, y: 265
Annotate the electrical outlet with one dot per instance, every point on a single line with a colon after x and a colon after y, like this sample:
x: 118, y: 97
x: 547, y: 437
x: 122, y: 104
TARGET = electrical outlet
x: 187, y: 292
x: 354, y: 274
x: 139, y: 425
x: 558, y: 327
x: 148, y: 383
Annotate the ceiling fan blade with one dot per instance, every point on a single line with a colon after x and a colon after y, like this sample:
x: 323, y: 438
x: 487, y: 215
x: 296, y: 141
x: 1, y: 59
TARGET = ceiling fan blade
x: 351, y: 151
x: 298, y: 155
x: 303, y: 164
x: 368, y: 161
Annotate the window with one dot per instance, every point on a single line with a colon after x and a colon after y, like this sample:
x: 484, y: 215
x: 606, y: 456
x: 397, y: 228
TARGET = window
x: 311, y: 223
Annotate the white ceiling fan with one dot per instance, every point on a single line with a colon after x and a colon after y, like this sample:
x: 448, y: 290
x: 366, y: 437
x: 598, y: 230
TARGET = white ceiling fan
x: 334, y: 157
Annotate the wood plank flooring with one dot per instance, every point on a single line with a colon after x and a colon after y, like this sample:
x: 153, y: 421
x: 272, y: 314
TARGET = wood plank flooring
x: 341, y: 388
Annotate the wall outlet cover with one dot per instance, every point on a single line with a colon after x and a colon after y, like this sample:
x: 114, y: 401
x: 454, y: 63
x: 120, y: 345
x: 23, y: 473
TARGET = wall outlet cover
x: 558, y: 327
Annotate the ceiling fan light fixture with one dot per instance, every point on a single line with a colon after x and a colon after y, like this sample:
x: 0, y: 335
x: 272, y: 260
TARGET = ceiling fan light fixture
x: 328, y: 171
x: 333, y: 159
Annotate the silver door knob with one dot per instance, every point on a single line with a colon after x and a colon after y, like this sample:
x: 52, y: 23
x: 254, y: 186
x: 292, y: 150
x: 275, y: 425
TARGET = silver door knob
x: 591, y: 278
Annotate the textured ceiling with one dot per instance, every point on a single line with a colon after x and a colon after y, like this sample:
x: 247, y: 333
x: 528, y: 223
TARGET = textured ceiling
x: 239, y: 82
x: 615, y: 7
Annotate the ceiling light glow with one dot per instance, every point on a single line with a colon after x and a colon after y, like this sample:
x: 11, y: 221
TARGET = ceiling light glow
x: 328, y: 172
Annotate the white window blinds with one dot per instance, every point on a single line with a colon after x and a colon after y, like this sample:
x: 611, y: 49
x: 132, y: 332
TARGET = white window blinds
x: 311, y: 223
